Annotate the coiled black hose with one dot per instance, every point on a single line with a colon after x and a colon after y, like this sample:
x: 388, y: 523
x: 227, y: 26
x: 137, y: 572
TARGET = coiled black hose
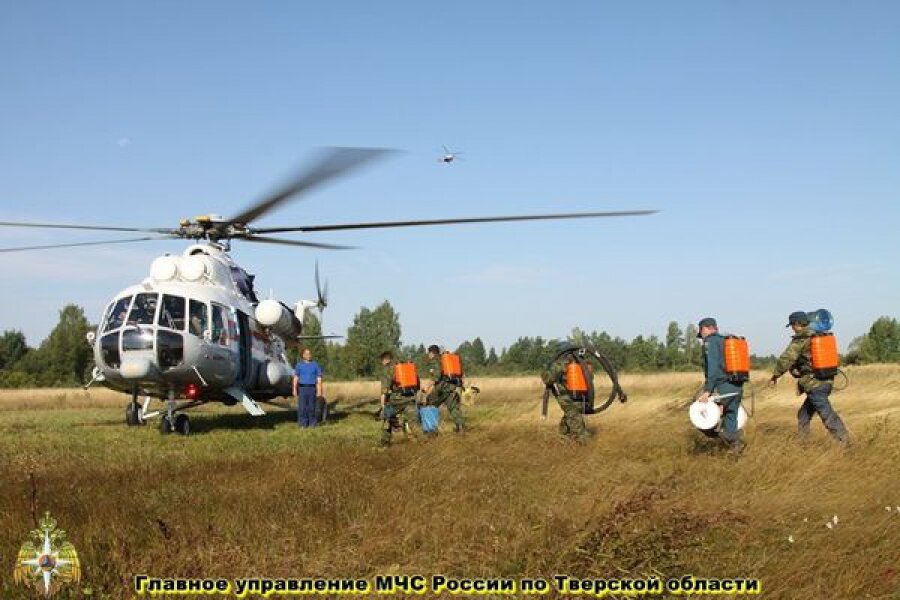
x: 580, y: 353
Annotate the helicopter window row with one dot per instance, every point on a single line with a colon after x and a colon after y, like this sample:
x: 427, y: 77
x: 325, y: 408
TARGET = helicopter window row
x: 175, y: 313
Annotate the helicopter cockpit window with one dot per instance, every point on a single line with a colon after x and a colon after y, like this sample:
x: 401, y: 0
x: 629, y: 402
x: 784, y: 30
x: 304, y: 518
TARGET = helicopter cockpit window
x: 116, y: 316
x: 143, y: 310
x: 172, y: 313
x: 199, y: 318
x: 219, y: 332
x: 244, y: 283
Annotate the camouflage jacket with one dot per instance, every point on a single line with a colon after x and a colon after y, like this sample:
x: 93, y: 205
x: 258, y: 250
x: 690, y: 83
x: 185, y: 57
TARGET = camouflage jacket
x: 796, y: 359
x: 387, y: 380
x: 555, y: 374
x: 434, y: 369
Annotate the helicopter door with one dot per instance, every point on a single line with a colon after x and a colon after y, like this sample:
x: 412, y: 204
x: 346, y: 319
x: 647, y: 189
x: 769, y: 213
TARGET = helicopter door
x: 245, y: 341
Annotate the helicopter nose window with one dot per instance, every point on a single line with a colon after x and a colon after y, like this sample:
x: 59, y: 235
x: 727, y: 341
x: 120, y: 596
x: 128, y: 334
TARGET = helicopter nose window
x: 116, y: 316
x: 171, y: 315
x: 144, y: 309
x: 137, y: 339
x: 169, y: 348
x: 199, y: 318
x: 109, y: 350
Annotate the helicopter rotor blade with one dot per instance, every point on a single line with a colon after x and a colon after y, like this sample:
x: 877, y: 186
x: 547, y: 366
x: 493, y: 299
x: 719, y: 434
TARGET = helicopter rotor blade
x: 269, y: 240
x: 385, y: 224
x: 332, y: 163
x: 98, y: 243
x: 321, y: 294
x: 87, y: 227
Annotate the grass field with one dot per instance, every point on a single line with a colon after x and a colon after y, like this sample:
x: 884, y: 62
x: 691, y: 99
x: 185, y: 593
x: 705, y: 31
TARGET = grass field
x: 647, y: 496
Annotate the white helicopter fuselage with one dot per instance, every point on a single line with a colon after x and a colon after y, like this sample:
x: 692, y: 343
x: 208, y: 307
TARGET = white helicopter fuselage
x: 193, y: 329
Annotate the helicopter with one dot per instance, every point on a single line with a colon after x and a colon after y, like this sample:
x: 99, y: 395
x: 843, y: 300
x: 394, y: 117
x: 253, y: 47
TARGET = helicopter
x: 449, y: 156
x: 194, y: 330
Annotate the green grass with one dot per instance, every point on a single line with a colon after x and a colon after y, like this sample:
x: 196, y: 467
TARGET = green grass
x: 647, y: 496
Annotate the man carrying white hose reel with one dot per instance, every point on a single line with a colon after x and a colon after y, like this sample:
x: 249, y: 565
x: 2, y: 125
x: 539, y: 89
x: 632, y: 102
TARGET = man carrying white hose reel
x: 723, y: 382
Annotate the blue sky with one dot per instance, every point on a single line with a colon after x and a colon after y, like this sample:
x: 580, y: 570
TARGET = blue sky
x: 766, y: 133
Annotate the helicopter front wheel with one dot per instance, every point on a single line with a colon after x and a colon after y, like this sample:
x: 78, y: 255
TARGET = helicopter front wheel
x: 134, y: 414
x: 165, y: 425
x: 181, y: 424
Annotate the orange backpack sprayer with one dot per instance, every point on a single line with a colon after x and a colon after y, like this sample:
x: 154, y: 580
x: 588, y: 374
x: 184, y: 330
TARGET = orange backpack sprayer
x: 576, y: 382
x: 451, y: 367
x: 406, y: 378
x: 737, y: 359
x: 824, y: 355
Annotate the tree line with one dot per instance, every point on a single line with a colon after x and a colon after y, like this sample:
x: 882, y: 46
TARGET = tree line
x: 65, y: 359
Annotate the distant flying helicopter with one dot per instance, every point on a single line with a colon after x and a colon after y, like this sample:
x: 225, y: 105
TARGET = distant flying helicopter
x: 448, y: 156
x: 194, y: 331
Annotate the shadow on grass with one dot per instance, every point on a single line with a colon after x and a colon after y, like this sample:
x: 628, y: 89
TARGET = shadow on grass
x: 207, y: 423
x: 707, y: 444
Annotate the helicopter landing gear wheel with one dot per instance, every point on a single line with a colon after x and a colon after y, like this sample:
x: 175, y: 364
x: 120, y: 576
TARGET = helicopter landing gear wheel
x: 182, y: 425
x: 134, y: 414
x: 165, y: 425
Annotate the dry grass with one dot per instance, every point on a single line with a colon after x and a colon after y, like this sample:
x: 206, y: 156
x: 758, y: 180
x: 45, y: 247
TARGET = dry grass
x: 647, y: 496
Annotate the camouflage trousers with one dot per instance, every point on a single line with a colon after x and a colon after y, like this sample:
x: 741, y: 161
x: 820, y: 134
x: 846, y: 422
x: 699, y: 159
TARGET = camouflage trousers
x: 447, y: 393
x: 394, y: 416
x: 572, y: 422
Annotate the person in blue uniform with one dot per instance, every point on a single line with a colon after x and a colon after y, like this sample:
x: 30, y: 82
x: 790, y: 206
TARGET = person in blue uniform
x: 307, y: 383
x: 716, y: 381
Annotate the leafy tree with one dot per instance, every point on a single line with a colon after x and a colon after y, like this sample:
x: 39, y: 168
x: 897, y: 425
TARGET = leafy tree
x: 312, y: 326
x: 492, y: 358
x: 372, y: 332
x: 693, y: 352
x: 338, y: 366
x: 645, y: 354
x: 674, y: 346
x: 479, y: 354
x: 880, y: 345
x: 12, y: 347
x: 529, y: 354
x: 65, y: 357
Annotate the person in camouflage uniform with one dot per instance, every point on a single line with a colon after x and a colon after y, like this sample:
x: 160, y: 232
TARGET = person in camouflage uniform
x: 443, y: 391
x: 572, y: 422
x: 393, y: 403
x: 717, y: 382
x: 797, y: 360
